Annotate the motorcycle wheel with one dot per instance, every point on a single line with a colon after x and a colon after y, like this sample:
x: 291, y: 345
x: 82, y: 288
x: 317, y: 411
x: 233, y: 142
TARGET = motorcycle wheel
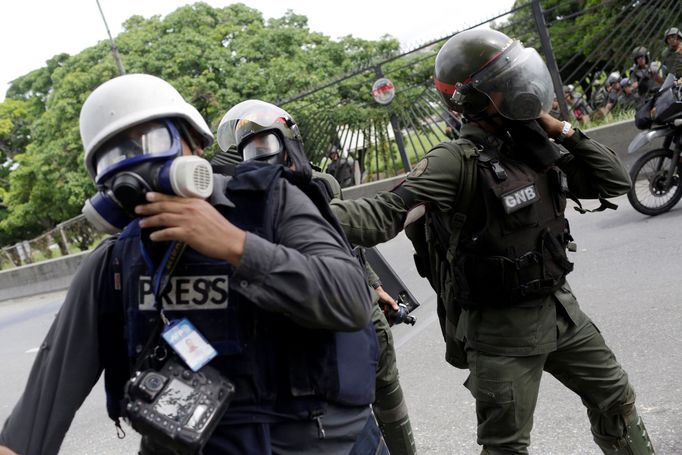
x: 649, y: 193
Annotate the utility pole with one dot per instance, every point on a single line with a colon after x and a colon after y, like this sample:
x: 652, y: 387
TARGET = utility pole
x: 114, y: 49
x: 549, y: 55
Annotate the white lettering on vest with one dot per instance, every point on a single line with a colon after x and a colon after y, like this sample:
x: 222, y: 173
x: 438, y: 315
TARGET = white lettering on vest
x: 520, y: 198
x: 207, y: 292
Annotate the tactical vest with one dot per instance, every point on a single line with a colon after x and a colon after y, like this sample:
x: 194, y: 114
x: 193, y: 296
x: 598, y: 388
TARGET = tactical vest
x: 273, y: 362
x: 513, y: 247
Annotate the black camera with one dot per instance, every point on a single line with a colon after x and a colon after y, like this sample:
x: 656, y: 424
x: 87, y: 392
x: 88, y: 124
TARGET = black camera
x: 176, y: 407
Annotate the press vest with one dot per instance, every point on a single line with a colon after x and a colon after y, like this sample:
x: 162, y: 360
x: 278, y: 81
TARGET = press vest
x: 513, y: 246
x: 272, y: 360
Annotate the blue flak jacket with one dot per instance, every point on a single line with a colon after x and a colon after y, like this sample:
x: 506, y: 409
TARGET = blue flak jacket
x: 275, y: 364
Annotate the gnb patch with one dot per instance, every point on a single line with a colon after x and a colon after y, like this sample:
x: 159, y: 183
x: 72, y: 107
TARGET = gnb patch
x: 518, y: 199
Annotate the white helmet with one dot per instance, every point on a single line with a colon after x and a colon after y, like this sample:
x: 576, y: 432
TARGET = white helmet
x: 128, y: 100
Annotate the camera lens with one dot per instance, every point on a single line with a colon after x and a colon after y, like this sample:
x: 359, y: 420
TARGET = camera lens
x: 153, y: 382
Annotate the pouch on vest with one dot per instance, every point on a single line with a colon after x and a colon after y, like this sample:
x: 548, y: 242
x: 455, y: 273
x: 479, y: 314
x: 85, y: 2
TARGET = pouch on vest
x: 515, y: 246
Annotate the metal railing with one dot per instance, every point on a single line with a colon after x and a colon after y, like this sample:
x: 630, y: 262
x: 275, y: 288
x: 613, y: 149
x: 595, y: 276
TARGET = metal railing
x: 68, y: 237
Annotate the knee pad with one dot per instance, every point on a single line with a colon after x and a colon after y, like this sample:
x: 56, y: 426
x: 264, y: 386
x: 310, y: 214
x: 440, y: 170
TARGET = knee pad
x: 389, y: 405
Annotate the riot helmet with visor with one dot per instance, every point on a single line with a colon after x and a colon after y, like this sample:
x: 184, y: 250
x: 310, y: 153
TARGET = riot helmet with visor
x: 478, y: 67
x: 264, y: 132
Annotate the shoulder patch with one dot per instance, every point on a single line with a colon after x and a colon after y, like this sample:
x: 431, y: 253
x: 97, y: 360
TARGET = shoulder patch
x: 419, y: 168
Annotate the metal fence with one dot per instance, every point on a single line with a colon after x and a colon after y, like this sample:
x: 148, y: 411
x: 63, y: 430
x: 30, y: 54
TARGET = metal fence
x: 71, y: 236
x: 386, y: 139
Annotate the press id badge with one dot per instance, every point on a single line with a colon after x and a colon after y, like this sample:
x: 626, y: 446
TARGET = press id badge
x: 188, y: 343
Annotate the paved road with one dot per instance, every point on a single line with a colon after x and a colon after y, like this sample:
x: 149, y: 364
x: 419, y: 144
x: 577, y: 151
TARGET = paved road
x: 627, y: 279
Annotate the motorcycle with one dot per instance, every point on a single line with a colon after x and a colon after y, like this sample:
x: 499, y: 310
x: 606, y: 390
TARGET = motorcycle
x: 656, y: 175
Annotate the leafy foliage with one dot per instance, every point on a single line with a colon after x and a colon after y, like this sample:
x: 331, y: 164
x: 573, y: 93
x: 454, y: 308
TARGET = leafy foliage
x: 591, y: 38
x: 215, y: 57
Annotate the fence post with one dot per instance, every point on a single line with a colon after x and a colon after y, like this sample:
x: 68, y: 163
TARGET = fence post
x: 9, y: 256
x: 396, y: 130
x: 64, y: 248
x: 551, y: 60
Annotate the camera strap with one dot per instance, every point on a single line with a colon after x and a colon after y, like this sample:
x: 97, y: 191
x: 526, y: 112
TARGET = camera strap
x: 180, y: 334
x: 160, y: 281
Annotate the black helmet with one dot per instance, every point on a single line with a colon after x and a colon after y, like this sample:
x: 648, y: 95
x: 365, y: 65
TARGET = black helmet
x: 262, y: 131
x: 477, y: 67
x: 640, y: 51
x: 672, y: 31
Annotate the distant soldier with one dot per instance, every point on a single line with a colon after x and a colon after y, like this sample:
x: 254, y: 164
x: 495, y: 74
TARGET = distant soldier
x: 344, y: 170
x: 629, y: 98
x: 608, y: 98
x: 577, y: 104
x: 672, y: 55
x: 599, y: 95
x: 645, y: 73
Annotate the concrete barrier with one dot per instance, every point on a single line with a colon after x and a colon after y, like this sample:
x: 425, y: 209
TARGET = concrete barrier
x: 56, y: 274
x: 45, y: 276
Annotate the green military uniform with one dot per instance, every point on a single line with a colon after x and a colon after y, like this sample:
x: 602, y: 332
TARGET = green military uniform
x: 389, y: 406
x: 506, y: 348
x: 672, y: 62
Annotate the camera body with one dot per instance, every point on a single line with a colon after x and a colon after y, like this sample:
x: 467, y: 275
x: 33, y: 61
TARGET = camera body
x: 177, y: 407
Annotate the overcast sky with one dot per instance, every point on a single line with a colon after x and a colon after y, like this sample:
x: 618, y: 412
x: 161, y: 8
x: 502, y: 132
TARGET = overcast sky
x: 32, y: 31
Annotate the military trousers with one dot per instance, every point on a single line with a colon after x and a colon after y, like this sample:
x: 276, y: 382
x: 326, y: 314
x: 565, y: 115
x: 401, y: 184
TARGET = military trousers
x: 387, y: 370
x: 506, y: 389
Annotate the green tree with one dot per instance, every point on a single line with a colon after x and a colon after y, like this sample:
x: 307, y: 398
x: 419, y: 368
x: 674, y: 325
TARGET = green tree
x: 215, y: 57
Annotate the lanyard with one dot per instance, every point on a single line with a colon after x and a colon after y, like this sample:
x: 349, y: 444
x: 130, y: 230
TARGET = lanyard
x: 162, y: 274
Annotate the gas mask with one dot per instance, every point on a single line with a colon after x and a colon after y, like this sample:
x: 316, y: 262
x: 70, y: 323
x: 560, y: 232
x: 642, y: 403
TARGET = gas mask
x: 144, y: 158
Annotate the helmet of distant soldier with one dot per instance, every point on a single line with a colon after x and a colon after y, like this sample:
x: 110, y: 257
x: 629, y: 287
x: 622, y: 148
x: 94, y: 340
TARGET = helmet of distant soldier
x: 672, y: 31
x: 614, y: 78
x: 640, y: 51
x: 477, y: 68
